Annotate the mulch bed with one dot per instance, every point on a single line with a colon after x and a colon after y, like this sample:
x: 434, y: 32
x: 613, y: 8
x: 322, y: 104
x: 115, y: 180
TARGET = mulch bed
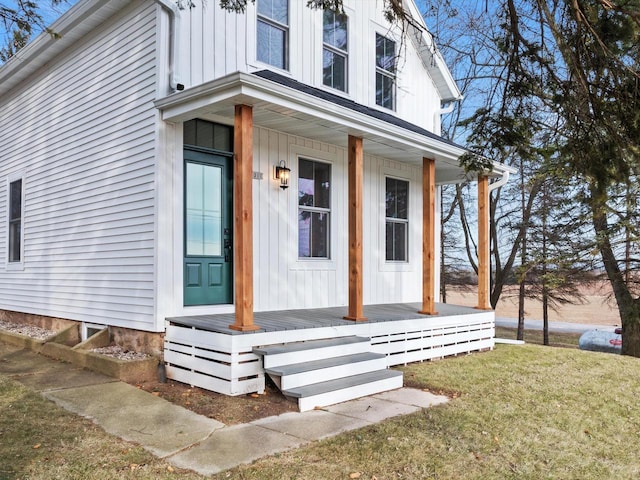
x: 223, y: 408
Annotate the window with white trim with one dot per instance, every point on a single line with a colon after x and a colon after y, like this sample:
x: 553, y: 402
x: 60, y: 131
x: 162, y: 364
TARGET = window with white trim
x: 314, y: 209
x: 385, y: 71
x: 273, y: 33
x: 15, y: 221
x: 396, y: 220
x: 334, y: 50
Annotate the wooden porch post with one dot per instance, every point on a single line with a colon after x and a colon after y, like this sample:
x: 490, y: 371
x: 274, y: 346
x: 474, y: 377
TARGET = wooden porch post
x: 484, y: 265
x: 356, y: 180
x: 243, y: 218
x: 428, y: 236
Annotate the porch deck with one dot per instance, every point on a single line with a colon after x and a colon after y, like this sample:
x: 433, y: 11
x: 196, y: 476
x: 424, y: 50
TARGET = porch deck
x: 318, y: 317
x: 204, y: 351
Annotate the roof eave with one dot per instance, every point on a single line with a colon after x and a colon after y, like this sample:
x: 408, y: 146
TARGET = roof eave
x: 77, y: 21
x: 253, y: 88
x: 432, y: 58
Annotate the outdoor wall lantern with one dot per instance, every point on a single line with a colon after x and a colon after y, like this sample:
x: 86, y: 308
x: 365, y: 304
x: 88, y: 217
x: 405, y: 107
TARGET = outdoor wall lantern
x: 282, y: 174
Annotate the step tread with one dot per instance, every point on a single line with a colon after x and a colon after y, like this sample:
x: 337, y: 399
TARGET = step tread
x: 341, y: 383
x: 308, y: 345
x: 312, y: 365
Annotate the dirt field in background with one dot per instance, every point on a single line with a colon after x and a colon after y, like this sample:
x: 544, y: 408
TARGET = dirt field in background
x: 597, y: 308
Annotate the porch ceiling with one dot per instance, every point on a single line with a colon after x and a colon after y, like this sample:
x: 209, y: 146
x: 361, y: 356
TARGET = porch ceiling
x: 282, y: 108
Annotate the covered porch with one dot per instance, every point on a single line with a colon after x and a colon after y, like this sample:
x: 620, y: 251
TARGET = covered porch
x: 227, y: 352
x: 205, y: 351
x: 268, y: 100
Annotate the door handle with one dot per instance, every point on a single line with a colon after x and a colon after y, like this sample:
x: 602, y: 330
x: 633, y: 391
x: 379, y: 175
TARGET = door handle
x: 228, y: 248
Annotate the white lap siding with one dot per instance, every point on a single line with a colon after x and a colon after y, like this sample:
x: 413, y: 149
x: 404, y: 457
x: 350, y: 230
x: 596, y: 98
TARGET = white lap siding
x: 82, y: 134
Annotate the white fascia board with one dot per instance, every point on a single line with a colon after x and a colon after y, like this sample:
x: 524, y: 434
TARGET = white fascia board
x: 44, y: 47
x: 502, y: 168
x: 178, y: 106
x: 431, y: 57
x: 435, y: 65
x: 452, y: 92
x: 251, y: 89
x: 497, y: 170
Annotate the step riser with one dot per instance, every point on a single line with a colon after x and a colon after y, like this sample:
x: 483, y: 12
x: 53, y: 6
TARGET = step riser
x: 340, y: 371
x: 337, y: 396
x: 279, y: 359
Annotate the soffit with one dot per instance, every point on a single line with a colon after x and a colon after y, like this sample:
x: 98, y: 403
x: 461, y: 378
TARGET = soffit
x: 282, y: 108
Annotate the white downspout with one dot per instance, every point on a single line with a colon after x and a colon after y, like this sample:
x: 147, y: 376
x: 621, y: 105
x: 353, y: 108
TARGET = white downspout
x: 174, y: 31
x: 448, y: 108
x: 503, y: 180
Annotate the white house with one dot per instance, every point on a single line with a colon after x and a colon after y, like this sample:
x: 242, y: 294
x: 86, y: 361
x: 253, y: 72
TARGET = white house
x: 138, y: 162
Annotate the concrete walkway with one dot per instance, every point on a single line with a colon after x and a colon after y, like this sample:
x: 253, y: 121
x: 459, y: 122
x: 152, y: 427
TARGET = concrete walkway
x: 186, y: 439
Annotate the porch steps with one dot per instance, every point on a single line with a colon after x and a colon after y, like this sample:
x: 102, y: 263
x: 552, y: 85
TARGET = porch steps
x: 296, y: 352
x: 319, y: 373
x: 297, y: 374
x: 342, y: 389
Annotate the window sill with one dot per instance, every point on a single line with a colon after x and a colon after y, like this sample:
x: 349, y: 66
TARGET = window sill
x: 393, y: 110
x: 334, y: 91
x: 396, y: 267
x: 319, y: 265
x: 15, y: 266
x: 257, y: 65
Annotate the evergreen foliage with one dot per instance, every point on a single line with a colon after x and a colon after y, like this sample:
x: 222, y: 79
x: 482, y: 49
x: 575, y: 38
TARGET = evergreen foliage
x: 565, y: 100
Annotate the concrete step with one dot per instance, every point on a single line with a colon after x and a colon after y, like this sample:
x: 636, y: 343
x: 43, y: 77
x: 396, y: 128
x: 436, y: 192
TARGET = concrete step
x: 296, y: 375
x: 300, y: 352
x: 340, y: 390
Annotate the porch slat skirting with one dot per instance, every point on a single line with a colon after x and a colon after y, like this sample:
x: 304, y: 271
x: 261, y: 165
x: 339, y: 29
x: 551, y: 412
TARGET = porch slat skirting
x: 203, y: 351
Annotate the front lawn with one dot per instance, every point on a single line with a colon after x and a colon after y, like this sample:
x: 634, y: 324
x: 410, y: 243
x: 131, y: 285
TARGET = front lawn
x: 519, y: 412
x: 522, y: 412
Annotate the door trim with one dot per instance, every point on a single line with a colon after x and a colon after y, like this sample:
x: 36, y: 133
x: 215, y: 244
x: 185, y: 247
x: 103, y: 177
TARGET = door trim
x: 225, y: 159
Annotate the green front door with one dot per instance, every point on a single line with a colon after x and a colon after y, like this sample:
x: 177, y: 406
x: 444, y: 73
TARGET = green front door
x: 208, y: 240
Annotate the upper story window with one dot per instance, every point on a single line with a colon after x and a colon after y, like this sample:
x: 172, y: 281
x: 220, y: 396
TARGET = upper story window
x: 15, y: 221
x: 396, y: 219
x: 334, y: 50
x: 273, y: 33
x: 385, y: 72
x: 314, y: 208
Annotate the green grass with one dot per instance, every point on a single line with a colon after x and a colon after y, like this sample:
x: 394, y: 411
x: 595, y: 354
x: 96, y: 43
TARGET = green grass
x: 525, y: 412
x: 522, y: 412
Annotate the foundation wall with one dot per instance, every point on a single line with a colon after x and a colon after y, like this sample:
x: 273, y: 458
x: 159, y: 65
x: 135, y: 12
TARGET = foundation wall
x: 42, y: 321
x: 138, y: 341
x: 129, y: 339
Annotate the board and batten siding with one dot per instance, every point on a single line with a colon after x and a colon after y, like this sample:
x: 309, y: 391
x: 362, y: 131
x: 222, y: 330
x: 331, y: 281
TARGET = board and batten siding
x: 82, y: 133
x: 214, y: 43
x: 282, y: 280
